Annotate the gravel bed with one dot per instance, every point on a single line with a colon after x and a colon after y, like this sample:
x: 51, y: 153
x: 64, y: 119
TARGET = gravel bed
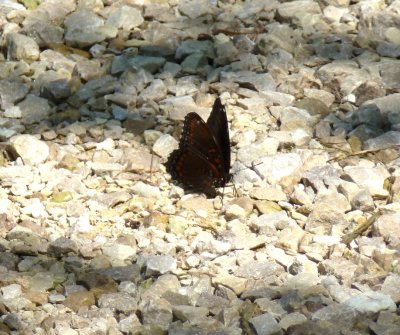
x: 95, y: 237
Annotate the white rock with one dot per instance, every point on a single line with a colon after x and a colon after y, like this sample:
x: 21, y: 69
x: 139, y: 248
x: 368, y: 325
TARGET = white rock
x: 31, y: 150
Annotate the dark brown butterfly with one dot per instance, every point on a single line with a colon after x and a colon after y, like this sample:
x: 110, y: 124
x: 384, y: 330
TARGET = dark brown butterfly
x: 203, y: 159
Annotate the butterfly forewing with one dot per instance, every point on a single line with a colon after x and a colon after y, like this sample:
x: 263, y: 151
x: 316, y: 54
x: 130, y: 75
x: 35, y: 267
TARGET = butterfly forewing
x: 218, y: 124
x: 196, y: 133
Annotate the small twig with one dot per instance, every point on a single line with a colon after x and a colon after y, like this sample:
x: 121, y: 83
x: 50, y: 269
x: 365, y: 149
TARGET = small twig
x: 234, y: 33
x: 367, y: 151
x: 360, y: 229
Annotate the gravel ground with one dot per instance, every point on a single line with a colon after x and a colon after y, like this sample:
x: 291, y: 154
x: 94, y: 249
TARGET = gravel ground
x: 95, y: 237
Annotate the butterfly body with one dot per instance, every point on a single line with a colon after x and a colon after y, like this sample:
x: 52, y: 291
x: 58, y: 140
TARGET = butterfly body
x: 202, y: 161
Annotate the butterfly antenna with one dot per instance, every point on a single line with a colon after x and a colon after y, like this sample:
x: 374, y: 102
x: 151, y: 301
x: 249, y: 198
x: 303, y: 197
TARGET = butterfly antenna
x: 235, y: 192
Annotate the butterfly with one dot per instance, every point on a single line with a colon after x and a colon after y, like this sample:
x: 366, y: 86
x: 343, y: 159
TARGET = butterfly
x: 203, y: 159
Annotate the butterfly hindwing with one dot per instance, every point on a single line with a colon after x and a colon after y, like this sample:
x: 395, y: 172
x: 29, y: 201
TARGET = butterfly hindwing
x: 193, y: 169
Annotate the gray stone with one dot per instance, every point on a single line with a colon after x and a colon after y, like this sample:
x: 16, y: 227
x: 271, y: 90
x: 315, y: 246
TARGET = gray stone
x: 127, y: 273
x: 150, y: 64
x: 338, y: 314
x: 363, y: 201
x: 129, y: 323
x: 265, y: 324
x: 338, y: 293
x: 369, y: 114
x: 212, y: 302
x: 43, y: 32
x: 56, y: 298
x: 11, y: 291
x: 305, y: 271
x: 119, y: 113
x: 291, y: 9
x: 194, y: 63
x: 386, y: 226
x: 84, y: 28
x: 367, y: 134
x: 280, y: 168
x: 11, y: 93
x: 119, y: 253
x: 164, y: 145
x: 385, y: 140
x: 388, y: 107
x: 170, y: 69
x: 391, y: 287
x: 157, y: 264
x: 246, y: 62
x: 146, y: 190
x: 260, y: 82
x: 190, y: 313
x: 342, y: 269
x: 320, y: 177
x: 289, y: 238
x: 120, y: 302
x: 120, y: 63
x: 292, y: 319
x: 258, y: 269
x: 156, y: 91
x: 62, y: 246
x: 34, y: 109
x: 13, y: 320
x: 292, y: 118
x: 371, y: 302
x: 178, y: 107
x: 21, y: 47
x: 319, y: 327
x: 254, y: 105
x: 189, y: 47
x: 266, y: 147
x: 137, y: 160
x: 389, y: 73
x: 156, y: 312
x: 271, y: 307
x: 56, y: 90
x: 8, y: 260
x: 278, y: 220
x: 43, y: 281
x: 125, y: 17
x: 334, y: 50
x: 186, y: 85
x: 371, y: 178
x: 195, y: 9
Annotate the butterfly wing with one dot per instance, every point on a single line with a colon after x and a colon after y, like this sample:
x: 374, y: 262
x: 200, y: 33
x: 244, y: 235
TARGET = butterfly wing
x: 198, y: 162
x: 203, y: 159
x: 197, y: 134
x: 193, y: 169
x: 218, y: 124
